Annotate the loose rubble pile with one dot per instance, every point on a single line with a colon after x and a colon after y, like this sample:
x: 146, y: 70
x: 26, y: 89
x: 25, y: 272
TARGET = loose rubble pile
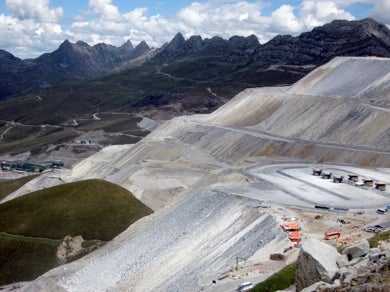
x: 322, y: 269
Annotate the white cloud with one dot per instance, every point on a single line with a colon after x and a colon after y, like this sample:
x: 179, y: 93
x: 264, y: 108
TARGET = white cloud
x: 223, y: 18
x: 193, y: 14
x: 314, y: 13
x: 381, y: 11
x: 284, y: 20
x: 27, y: 38
x: 37, y: 10
x: 34, y: 27
x: 104, y: 9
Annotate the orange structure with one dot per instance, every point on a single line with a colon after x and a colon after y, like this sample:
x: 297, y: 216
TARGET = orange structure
x: 332, y: 235
x: 294, y: 236
x: 292, y: 229
x: 291, y: 226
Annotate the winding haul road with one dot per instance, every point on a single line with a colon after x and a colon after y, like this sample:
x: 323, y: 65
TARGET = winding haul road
x: 262, y: 134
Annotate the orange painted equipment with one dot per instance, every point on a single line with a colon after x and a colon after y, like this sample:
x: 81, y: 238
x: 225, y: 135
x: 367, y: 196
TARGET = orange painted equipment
x: 294, y: 236
x: 332, y: 235
x: 291, y: 226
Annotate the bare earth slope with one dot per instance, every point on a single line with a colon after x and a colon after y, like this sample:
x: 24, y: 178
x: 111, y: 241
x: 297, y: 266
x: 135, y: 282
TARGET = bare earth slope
x: 346, y: 101
x: 207, y: 176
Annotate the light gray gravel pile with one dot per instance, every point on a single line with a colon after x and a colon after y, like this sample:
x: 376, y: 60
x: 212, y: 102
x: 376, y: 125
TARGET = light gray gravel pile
x: 182, y: 251
x: 344, y: 76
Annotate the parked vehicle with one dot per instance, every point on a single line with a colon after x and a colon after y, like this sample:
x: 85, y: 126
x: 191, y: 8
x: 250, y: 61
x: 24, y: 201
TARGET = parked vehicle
x: 332, y: 235
x: 375, y: 229
x: 245, y: 286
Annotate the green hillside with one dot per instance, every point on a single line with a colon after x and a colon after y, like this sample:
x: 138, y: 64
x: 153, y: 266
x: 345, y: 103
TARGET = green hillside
x: 32, y: 226
x: 9, y: 186
x: 198, y: 85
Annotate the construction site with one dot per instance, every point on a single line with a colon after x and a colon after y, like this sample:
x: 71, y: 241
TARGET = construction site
x: 236, y: 193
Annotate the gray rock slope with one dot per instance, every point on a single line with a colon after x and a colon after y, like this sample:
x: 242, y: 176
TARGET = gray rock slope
x: 346, y: 101
x: 196, y: 233
x: 183, y: 250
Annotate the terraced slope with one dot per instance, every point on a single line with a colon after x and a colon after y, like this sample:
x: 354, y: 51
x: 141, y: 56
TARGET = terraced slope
x: 346, y: 101
x: 195, y: 172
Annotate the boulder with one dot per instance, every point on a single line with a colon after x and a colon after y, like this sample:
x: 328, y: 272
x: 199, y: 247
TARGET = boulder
x: 357, y: 250
x: 317, y: 261
x: 277, y: 257
x: 316, y: 286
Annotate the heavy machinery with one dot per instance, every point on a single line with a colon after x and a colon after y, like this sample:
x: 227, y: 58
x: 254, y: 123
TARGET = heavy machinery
x: 332, y: 235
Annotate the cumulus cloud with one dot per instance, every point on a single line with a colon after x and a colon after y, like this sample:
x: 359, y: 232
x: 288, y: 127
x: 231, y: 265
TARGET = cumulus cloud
x: 222, y: 18
x: 27, y: 38
x: 104, y: 9
x: 34, y: 27
x: 314, y: 13
x: 284, y: 20
x: 381, y: 11
x: 37, y: 10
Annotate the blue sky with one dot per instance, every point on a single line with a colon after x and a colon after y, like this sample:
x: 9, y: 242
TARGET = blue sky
x: 171, y: 7
x: 32, y: 27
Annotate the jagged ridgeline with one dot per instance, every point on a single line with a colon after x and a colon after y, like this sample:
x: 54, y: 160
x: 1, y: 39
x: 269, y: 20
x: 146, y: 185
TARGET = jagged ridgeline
x: 241, y: 59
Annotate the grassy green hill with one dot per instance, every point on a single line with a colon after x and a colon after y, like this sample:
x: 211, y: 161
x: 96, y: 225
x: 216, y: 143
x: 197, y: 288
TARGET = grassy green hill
x: 186, y: 82
x: 9, y: 186
x: 33, y: 226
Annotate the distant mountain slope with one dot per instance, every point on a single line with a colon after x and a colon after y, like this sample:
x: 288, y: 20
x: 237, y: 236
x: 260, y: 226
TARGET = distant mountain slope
x: 240, y: 59
x: 330, y: 105
x: 208, y: 206
x: 71, y: 61
x: 339, y: 38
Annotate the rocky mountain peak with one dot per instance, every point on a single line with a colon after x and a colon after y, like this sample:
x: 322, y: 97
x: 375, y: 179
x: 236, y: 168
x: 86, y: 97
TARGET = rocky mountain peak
x: 373, y: 28
x: 195, y: 42
x: 127, y: 46
x: 339, y: 38
x: 176, y: 43
x: 244, y: 43
x: 142, y: 46
x: 82, y: 44
x: 215, y: 42
x: 6, y: 56
x: 253, y: 40
x: 65, y: 47
x: 140, y: 49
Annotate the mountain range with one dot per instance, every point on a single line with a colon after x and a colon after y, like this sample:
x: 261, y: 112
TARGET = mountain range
x: 239, y: 58
x: 79, y: 89
x: 70, y: 61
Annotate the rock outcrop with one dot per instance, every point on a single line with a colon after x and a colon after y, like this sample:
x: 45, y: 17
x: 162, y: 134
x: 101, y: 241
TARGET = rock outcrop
x: 368, y: 273
x: 317, y: 261
x: 357, y: 250
x: 69, y: 61
x: 338, y: 38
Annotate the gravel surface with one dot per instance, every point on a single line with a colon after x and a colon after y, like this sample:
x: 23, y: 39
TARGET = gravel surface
x: 201, y: 177
x: 182, y: 251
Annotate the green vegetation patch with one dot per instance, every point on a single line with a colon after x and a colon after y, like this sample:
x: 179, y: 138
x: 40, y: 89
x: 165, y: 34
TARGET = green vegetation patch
x: 382, y: 236
x: 34, y: 225
x: 279, y: 281
x: 95, y: 209
x: 21, y: 139
x: 24, y: 259
x: 9, y: 186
